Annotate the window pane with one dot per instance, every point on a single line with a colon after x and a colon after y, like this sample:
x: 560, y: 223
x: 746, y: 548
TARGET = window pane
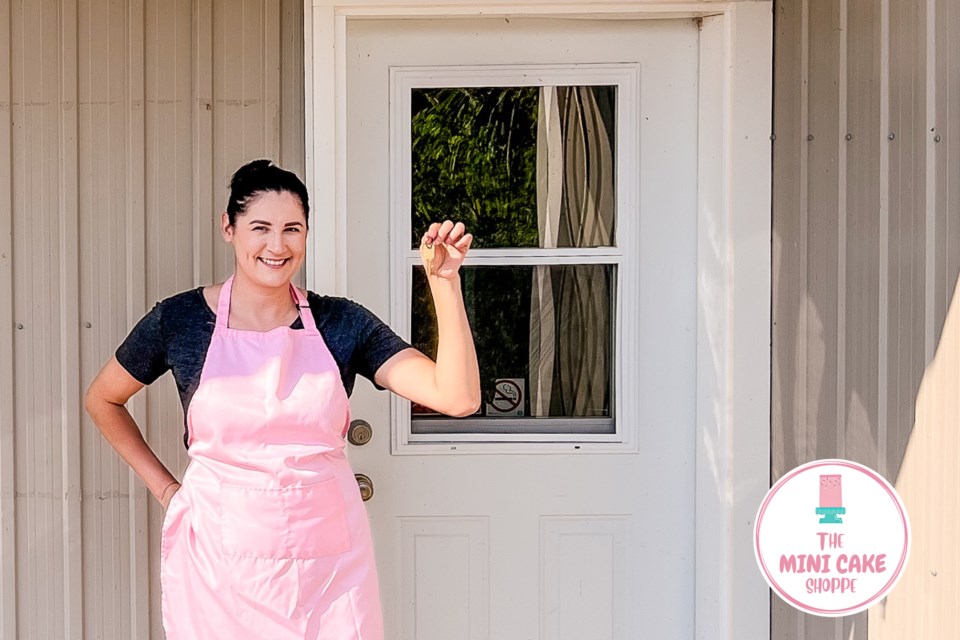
x: 519, y: 166
x: 544, y: 340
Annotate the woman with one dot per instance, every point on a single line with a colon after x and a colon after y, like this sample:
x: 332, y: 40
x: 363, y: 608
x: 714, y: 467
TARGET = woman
x: 267, y: 536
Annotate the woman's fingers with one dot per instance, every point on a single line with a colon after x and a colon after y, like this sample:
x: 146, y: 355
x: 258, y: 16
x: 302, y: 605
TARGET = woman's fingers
x: 431, y: 235
x: 444, y: 231
x: 455, y: 233
x: 448, y: 233
x: 464, y: 243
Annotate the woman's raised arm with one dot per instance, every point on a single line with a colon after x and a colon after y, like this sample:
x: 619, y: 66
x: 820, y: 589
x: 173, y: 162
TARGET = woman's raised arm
x: 451, y: 385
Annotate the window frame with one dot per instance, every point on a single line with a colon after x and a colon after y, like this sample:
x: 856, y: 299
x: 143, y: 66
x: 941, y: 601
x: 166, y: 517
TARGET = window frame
x: 624, y: 253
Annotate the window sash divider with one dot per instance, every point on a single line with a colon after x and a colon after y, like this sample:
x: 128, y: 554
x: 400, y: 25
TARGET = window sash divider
x: 516, y: 260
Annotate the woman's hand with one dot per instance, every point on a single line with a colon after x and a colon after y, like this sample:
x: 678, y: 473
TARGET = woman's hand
x: 168, y: 492
x: 444, y: 247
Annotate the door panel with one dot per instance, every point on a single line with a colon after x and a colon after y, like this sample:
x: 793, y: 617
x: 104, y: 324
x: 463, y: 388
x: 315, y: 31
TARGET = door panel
x: 540, y: 545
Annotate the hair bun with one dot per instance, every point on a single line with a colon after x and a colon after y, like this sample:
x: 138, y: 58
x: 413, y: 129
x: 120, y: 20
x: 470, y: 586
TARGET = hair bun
x: 250, y: 169
x: 258, y: 176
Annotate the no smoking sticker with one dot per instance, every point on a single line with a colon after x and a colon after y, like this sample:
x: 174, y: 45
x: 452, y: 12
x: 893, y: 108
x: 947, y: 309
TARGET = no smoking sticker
x: 507, y: 398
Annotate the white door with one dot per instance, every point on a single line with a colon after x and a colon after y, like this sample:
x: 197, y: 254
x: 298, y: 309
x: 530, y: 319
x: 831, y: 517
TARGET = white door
x: 574, y: 520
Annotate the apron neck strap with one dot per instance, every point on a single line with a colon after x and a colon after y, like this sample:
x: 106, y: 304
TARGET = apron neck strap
x: 306, y: 316
x: 223, y: 306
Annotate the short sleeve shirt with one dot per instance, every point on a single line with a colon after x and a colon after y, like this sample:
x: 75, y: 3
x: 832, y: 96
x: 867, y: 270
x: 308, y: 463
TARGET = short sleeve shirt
x: 175, y: 335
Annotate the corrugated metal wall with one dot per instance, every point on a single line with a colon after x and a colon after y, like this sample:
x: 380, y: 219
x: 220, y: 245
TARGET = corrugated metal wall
x: 120, y: 124
x: 866, y: 221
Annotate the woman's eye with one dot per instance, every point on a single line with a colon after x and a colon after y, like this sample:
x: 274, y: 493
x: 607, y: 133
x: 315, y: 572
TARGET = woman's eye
x: 260, y: 228
x: 294, y: 229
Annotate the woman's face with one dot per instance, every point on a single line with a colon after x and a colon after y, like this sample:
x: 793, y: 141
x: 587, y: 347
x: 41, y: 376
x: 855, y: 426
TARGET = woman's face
x: 269, y: 239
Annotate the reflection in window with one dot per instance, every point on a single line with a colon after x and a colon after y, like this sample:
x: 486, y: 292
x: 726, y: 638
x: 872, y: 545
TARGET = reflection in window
x: 519, y: 166
x: 543, y: 332
x: 523, y: 168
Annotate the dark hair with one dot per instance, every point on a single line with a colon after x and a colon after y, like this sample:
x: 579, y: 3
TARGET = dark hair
x: 260, y: 176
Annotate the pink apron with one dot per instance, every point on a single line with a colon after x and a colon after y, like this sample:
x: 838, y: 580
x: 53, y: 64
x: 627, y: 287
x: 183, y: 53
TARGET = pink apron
x: 268, y: 538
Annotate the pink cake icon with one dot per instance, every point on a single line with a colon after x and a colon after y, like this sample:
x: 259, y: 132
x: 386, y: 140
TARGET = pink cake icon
x: 831, y: 499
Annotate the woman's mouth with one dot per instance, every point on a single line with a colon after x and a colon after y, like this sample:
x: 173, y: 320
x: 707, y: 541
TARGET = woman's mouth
x: 273, y: 263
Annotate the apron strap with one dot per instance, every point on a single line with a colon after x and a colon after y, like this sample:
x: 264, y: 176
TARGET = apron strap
x: 306, y: 316
x: 223, y: 306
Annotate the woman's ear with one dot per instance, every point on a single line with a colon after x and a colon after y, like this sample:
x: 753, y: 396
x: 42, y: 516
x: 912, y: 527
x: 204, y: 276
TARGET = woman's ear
x: 226, y: 229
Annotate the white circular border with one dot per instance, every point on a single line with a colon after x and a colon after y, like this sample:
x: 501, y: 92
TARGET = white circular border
x: 901, y: 508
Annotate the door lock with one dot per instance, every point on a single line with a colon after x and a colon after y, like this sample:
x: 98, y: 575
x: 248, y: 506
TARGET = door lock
x: 366, y: 486
x: 359, y: 433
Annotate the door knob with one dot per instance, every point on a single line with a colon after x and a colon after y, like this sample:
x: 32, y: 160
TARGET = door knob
x: 366, y: 486
x: 359, y: 432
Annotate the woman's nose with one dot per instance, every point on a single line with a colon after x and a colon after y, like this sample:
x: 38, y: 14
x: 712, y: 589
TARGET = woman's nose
x: 276, y: 241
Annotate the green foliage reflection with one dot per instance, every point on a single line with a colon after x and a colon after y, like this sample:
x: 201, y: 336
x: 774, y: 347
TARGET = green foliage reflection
x: 474, y: 155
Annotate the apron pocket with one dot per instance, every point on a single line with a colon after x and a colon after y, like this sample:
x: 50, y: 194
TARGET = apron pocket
x: 289, y: 523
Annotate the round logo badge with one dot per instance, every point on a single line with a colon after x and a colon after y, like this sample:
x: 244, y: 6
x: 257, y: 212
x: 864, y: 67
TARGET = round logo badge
x: 832, y: 537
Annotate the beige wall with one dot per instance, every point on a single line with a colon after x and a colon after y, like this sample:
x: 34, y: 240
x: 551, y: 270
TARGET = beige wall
x: 866, y: 253
x: 120, y: 124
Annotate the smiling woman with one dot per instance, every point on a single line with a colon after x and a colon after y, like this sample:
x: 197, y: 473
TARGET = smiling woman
x: 267, y: 537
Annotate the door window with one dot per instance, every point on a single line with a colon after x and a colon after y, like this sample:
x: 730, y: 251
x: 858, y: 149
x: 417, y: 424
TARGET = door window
x: 531, y: 169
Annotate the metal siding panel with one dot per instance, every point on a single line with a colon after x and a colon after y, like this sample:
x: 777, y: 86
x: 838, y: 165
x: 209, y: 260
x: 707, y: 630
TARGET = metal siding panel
x: 824, y: 264
x: 228, y: 131
x: 134, y: 283
x: 291, y: 155
x: 291, y: 107
x: 861, y: 404
x: 789, y: 264
x: 270, y: 72
x: 826, y: 252
x: 104, y: 109
x: 788, y: 293
x: 37, y: 359
x: 106, y: 121
x: 899, y: 283
x: 863, y: 237
x: 168, y: 227
x: 208, y: 197
x: 823, y: 230
x: 907, y: 223
x: 69, y: 334
x: 948, y: 76
x: 247, y: 96
x: 943, y: 282
x: 8, y: 545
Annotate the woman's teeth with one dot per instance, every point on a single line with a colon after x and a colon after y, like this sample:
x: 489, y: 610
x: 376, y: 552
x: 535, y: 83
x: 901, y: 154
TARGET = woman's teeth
x: 273, y: 263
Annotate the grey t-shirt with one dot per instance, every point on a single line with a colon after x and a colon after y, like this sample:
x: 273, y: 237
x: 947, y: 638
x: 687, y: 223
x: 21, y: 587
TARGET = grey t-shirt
x: 175, y: 336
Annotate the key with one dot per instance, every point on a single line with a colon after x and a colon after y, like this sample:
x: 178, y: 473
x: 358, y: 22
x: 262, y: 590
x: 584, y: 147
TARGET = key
x: 428, y: 251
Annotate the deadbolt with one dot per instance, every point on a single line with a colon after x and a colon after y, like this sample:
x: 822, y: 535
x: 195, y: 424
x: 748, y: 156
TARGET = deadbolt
x: 359, y: 432
x: 366, y: 486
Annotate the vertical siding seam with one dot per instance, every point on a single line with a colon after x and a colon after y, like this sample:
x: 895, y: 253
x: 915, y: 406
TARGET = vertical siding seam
x: 804, y: 323
x: 883, y: 305
x: 803, y: 424
x: 273, y: 88
x: 135, y: 285
x: 69, y: 322
x: 930, y: 175
x: 842, y: 179
x: 203, y: 141
x: 8, y: 529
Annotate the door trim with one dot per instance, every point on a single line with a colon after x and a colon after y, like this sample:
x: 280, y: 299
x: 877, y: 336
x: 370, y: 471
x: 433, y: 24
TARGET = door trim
x: 731, y: 600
